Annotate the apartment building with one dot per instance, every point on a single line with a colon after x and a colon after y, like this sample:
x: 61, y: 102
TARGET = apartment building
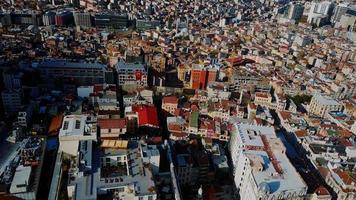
x: 80, y: 73
x: 320, y: 105
x: 261, y: 167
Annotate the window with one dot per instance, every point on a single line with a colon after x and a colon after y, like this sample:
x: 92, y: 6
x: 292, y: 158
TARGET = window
x: 77, y: 124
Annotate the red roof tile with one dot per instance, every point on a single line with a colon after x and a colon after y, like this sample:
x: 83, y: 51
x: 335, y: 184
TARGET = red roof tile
x: 285, y: 115
x: 147, y: 115
x: 322, y: 191
x: 170, y: 99
x: 112, y: 123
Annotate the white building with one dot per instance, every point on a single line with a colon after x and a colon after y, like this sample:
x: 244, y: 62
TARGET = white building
x: 21, y: 180
x: 121, y: 172
x: 339, y: 10
x: 150, y: 154
x: 131, y: 74
x: 320, y: 105
x: 320, y: 12
x: 261, y: 167
x: 76, y: 128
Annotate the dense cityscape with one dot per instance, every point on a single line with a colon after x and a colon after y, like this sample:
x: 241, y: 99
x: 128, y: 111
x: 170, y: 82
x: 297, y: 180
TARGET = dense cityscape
x: 177, y: 99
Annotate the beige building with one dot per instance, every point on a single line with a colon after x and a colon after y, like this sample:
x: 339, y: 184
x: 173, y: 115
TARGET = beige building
x: 263, y: 99
x: 322, y: 104
x: 170, y: 104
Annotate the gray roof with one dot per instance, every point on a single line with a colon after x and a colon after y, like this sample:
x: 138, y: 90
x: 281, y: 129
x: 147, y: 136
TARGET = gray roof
x: 69, y: 64
x: 127, y: 66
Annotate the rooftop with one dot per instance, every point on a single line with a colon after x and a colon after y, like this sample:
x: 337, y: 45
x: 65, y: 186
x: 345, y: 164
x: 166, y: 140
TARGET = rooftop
x: 326, y: 100
x: 67, y: 64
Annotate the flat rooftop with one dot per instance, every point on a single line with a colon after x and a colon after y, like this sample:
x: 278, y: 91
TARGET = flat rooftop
x: 250, y: 133
x: 129, y: 66
x: 73, y: 125
x: 326, y: 100
x: 68, y: 64
x: 290, y: 179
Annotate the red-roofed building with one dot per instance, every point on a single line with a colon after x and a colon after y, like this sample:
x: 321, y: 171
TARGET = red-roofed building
x: 170, y: 104
x: 321, y: 193
x: 112, y: 128
x: 201, y: 77
x: 147, y: 115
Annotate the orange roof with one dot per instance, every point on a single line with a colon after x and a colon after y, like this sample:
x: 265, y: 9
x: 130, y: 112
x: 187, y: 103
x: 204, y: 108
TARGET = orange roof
x: 112, y: 123
x: 301, y: 133
x: 261, y: 94
x: 55, y: 125
x: 322, y: 191
x: 170, y: 99
x: 345, y: 176
x: 285, y: 115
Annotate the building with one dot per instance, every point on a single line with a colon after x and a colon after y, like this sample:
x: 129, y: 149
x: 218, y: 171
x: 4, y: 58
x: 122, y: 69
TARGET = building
x: 218, y: 90
x: 320, y: 13
x: 263, y: 99
x: 131, y: 74
x: 82, y: 19
x: 24, y: 116
x: 111, y: 20
x: 79, y: 73
x: 26, y: 17
x: 342, y: 181
x: 338, y: 12
x: 142, y: 24
x: 295, y: 11
x: 12, y: 100
x: 170, y: 104
x: 89, y: 4
x: 12, y: 80
x: 150, y: 154
x: 121, y: 172
x: 21, y: 180
x: 320, y: 105
x: 261, y: 167
x: 104, y: 97
x: 201, y: 76
x: 146, y: 115
x: 112, y: 128
x: 74, y: 130
x: 21, y: 169
x: 64, y: 18
x: 49, y: 18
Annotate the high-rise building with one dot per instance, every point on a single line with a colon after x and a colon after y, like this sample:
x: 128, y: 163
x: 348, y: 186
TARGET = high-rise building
x: 261, y: 167
x: 339, y: 10
x: 111, y: 20
x: 320, y: 12
x: 201, y: 76
x: 26, y: 17
x: 12, y: 100
x: 49, y: 18
x: 12, y: 80
x: 295, y: 11
x: 64, y: 18
x: 80, y: 73
x: 82, y: 19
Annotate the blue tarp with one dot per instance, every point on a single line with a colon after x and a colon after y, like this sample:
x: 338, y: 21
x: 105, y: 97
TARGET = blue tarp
x: 52, y: 143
